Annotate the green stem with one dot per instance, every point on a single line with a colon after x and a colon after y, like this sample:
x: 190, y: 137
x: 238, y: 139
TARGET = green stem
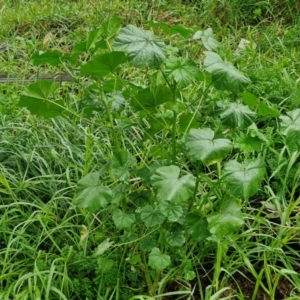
x: 114, y: 134
x: 146, y: 273
x: 193, y: 199
x: 174, y: 133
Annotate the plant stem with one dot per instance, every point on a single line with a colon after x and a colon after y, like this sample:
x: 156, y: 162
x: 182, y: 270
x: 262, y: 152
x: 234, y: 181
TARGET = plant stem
x: 114, y: 134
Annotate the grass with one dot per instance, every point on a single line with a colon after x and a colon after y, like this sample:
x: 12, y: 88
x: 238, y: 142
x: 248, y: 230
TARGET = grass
x: 48, y: 244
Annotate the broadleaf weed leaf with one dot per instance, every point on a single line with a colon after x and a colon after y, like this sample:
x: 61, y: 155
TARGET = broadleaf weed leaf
x: 110, y: 27
x: 236, y: 114
x: 143, y: 47
x: 157, y: 260
x: 91, y: 196
x: 203, y: 146
x: 176, y: 238
x: 224, y: 74
x: 244, y: 180
x: 51, y: 57
x: 207, y: 38
x: 197, y: 226
x: 103, y: 64
x: 122, y: 220
x: 37, y: 97
x: 151, y: 217
x: 291, y: 120
x: 264, y: 110
x: 248, y: 143
x: 250, y: 99
x: 149, y: 99
x: 172, y: 211
x: 170, y: 187
x: 227, y: 220
x: 104, y: 246
x: 292, y: 139
x: 182, y: 70
x: 121, y: 163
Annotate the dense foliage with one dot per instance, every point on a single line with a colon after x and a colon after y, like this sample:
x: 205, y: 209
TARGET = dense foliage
x: 167, y: 161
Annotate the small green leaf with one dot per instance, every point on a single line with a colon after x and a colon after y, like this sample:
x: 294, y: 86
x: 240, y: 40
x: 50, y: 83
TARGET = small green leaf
x: 236, y: 114
x: 90, y: 195
x: 250, y: 99
x: 104, y: 246
x: 265, y: 110
x: 248, y: 143
x: 147, y: 243
x: 110, y: 27
x: 157, y: 260
x: 291, y: 120
x: 203, y: 146
x: 196, y: 226
x: 172, y: 211
x: 224, y: 75
x: 208, y: 40
x: 92, y: 39
x: 183, y: 31
x: 150, y: 99
x: 151, y: 217
x: 49, y: 57
x: 182, y: 70
x: 143, y: 47
x: 227, y: 220
x: 105, y: 264
x: 176, y: 238
x: 122, y: 220
x: 170, y: 187
x: 103, y: 64
x: 121, y: 164
x: 244, y: 179
x: 37, y: 97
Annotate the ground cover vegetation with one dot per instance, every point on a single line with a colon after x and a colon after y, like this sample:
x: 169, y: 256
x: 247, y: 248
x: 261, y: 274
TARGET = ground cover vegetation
x: 149, y: 150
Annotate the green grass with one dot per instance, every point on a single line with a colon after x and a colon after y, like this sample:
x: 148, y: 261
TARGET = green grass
x: 48, y: 245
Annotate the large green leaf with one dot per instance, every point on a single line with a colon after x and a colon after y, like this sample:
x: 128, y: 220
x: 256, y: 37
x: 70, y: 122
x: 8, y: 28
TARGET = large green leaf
x: 122, y: 220
x: 170, y: 187
x: 196, y: 226
x: 227, y: 220
x: 37, y: 97
x: 149, y: 99
x: 151, y: 217
x: 236, y: 114
x: 224, y: 75
x: 172, y: 211
x: 292, y: 139
x: 121, y: 164
x: 51, y: 57
x: 103, y: 64
x: 207, y: 38
x: 157, y: 260
x: 203, y: 146
x: 90, y: 195
x: 244, y: 179
x: 290, y: 121
x: 182, y: 70
x: 143, y: 47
